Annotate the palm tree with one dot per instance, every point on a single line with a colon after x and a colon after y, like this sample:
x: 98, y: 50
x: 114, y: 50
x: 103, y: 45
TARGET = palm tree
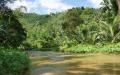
x: 111, y: 32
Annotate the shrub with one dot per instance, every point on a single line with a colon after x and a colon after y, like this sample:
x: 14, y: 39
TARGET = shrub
x: 13, y: 62
x: 106, y: 48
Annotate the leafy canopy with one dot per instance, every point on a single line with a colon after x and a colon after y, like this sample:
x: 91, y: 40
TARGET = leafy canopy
x: 11, y: 31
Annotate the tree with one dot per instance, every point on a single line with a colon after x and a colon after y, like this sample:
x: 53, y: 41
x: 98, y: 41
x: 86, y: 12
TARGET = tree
x: 11, y: 31
x: 111, y: 5
x: 71, y: 21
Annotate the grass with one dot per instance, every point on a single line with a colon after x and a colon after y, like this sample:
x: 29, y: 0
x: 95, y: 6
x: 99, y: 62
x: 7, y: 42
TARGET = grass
x: 84, y: 48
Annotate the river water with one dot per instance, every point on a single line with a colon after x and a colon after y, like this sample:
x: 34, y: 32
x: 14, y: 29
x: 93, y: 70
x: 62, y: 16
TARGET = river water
x: 53, y: 63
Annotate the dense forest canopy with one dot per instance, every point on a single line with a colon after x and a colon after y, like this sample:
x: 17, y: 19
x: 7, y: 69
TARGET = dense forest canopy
x: 80, y: 25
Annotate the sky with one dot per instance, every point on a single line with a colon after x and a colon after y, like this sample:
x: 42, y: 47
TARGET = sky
x: 52, y: 6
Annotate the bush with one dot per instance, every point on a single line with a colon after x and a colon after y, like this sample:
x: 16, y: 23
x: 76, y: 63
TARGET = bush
x: 106, y: 48
x: 13, y: 62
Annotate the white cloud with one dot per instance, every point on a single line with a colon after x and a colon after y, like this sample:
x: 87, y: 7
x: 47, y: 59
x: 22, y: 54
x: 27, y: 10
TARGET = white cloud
x: 54, y: 4
x: 47, y: 5
x: 17, y: 4
x: 96, y: 3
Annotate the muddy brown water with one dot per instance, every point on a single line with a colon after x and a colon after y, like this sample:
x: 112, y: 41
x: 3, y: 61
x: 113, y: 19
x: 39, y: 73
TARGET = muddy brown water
x: 52, y: 63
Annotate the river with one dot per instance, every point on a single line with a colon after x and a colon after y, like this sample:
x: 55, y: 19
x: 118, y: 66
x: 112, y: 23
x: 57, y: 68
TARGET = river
x: 53, y: 63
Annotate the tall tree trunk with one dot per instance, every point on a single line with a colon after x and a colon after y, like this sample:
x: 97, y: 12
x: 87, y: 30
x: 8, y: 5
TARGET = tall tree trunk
x: 118, y: 3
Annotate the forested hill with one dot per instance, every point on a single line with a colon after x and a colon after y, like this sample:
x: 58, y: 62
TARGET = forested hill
x: 69, y: 28
x: 34, y: 19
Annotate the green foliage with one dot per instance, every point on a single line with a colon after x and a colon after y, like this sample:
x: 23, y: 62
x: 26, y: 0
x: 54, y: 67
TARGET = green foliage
x: 60, y: 31
x: 110, y: 10
x: 13, y: 62
x: 70, y: 28
x: 99, y: 48
x: 46, y: 31
x: 11, y: 31
x: 71, y: 20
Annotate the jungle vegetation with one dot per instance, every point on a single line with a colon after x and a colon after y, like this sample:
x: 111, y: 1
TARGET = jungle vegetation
x: 73, y: 27
x: 79, y: 30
